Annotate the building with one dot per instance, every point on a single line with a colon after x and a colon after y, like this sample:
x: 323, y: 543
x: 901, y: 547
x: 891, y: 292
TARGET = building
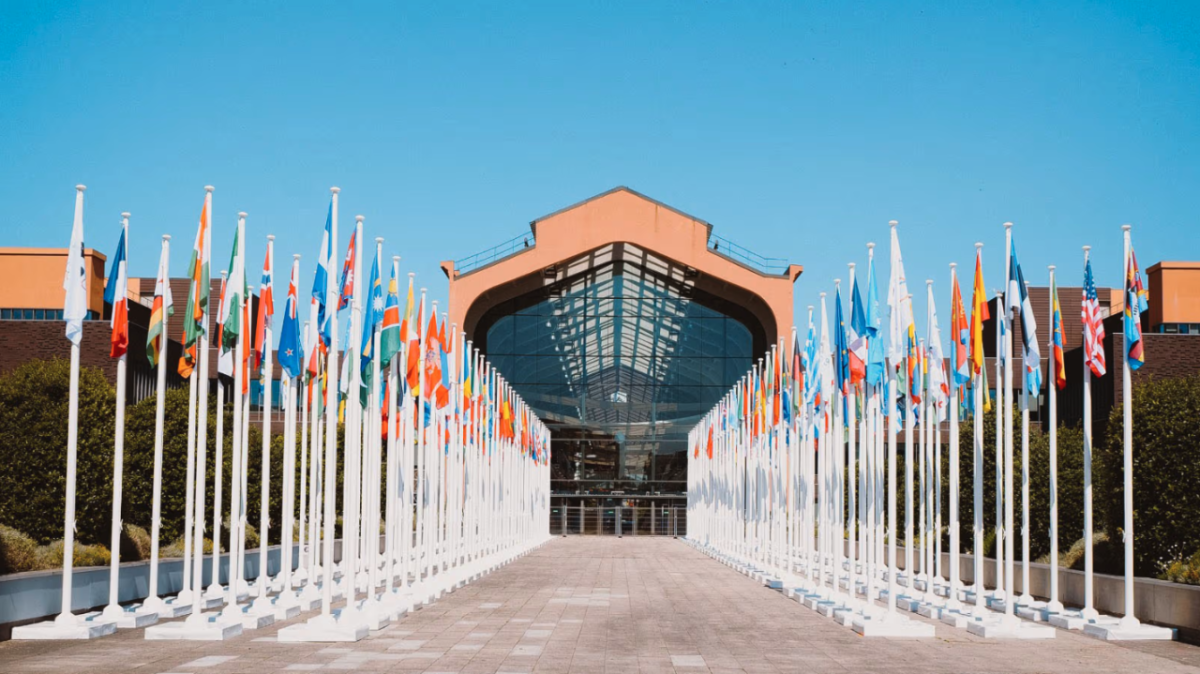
x: 621, y: 321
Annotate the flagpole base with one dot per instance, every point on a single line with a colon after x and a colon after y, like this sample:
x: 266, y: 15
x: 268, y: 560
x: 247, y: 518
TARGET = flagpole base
x: 129, y: 618
x: 1119, y: 631
x: 1009, y: 627
x: 210, y: 628
x: 893, y: 626
x: 87, y: 626
x: 321, y: 629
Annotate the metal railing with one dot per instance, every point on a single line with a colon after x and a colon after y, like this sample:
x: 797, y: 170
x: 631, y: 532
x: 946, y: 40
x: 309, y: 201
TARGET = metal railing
x: 746, y: 257
x: 495, y: 253
x: 619, y: 521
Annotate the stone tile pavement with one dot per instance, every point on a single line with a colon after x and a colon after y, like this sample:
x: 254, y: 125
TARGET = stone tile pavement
x: 605, y: 606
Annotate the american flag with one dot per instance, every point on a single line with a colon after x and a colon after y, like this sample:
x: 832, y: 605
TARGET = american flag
x: 1093, y: 325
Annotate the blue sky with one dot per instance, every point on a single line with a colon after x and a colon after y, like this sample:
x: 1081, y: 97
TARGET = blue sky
x: 797, y: 131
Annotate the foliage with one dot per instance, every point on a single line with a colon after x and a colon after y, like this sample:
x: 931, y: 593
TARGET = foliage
x: 1166, y: 470
x: 135, y: 543
x: 18, y: 552
x: 1184, y: 570
x: 33, y: 432
x: 51, y: 556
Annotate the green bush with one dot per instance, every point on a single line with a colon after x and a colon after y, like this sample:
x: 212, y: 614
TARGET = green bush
x: 18, y: 552
x: 51, y: 556
x: 33, y: 432
x: 1166, y: 470
x: 1185, y: 571
x: 135, y: 543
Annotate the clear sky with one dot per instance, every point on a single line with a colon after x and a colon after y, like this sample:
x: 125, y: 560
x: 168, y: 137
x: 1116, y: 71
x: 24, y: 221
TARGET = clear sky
x: 797, y: 131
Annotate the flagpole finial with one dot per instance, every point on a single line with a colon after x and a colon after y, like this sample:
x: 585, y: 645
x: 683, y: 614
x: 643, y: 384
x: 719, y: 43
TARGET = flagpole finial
x: 224, y: 273
x: 125, y: 214
x: 893, y: 223
x: 822, y: 295
x: 166, y: 237
x: 978, y: 246
x: 953, y: 265
x: 209, y: 188
x: 395, y: 259
x: 359, y: 218
x: 334, y: 190
x: 422, y: 290
x: 837, y: 281
x: 80, y: 188
x: 270, y: 237
x: 412, y: 274
x: 1126, y: 228
x: 241, y: 214
x: 296, y: 257
x: 851, y: 265
x: 1086, y: 248
x: 928, y: 281
x: 1008, y: 225
x: 1051, y: 267
x: 870, y: 245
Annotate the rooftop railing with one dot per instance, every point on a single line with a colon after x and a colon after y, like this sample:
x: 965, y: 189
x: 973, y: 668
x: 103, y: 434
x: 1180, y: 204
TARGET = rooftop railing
x: 746, y: 257
x: 495, y: 253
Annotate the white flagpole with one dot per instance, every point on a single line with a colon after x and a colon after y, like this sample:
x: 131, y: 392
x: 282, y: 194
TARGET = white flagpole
x: 1001, y: 322
x: 1009, y: 445
x: 953, y: 602
x: 1129, y: 620
x: 329, y: 491
x: 1054, y: 606
x: 114, y: 610
x: 153, y: 601
x: 65, y: 617
x: 236, y: 476
x: 1089, y: 611
x: 301, y: 575
x: 215, y: 590
x: 262, y: 602
x: 201, y: 379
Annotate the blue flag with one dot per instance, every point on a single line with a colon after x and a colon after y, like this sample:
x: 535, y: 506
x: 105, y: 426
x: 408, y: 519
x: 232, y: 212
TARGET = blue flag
x: 1018, y: 298
x: 875, y: 360
x: 290, y: 352
x: 320, y: 288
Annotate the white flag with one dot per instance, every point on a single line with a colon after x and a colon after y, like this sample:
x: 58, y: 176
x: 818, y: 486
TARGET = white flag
x: 75, y: 279
x: 900, y: 306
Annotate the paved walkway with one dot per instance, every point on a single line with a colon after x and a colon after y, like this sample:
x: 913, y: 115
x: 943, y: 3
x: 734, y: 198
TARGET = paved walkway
x: 604, y: 606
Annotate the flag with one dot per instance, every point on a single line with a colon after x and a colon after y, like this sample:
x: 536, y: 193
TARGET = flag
x: 432, y: 358
x: 939, y: 387
x: 979, y: 314
x: 412, y: 327
x: 903, y: 338
x: 708, y: 449
x: 1018, y: 298
x: 290, y: 356
x: 1135, y: 304
x: 1093, y: 324
x: 960, y: 337
x: 875, y: 366
x: 389, y: 338
x: 197, y: 304
x: 75, y: 278
x: 116, y: 293
x: 841, y: 356
x: 320, y: 288
x: 346, y: 292
x: 856, y: 337
x: 811, y: 376
x: 162, y: 309
x: 372, y: 317
x: 1056, y: 356
x: 266, y: 311
x: 230, y: 317
x: 444, y: 353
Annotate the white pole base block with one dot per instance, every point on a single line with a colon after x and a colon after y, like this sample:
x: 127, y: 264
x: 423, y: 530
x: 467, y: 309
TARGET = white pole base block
x: 87, y: 626
x: 1037, y: 611
x: 321, y: 629
x: 376, y: 615
x: 1075, y: 619
x: 129, y: 618
x: 959, y: 618
x: 1009, y: 627
x: 893, y: 626
x: 215, y: 591
x: 213, y: 628
x: 166, y: 609
x: 285, y: 611
x: 1121, y: 630
x: 248, y: 617
x: 931, y: 609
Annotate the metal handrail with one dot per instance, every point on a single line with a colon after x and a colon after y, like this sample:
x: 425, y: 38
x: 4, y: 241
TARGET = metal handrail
x: 495, y: 253
x: 746, y: 257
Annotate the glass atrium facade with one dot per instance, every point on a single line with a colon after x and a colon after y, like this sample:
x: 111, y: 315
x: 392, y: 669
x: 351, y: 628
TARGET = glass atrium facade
x: 620, y: 356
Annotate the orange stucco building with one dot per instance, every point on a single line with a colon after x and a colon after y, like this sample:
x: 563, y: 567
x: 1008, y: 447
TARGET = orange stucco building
x: 621, y: 320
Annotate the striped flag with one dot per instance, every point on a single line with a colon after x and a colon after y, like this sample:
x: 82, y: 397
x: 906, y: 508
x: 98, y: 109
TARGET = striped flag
x: 266, y: 311
x: 347, y: 286
x: 1093, y: 324
x: 320, y: 288
x: 856, y: 337
x: 116, y: 293
x: 1056, y: 356
x: 162, y: 309
x: 939, y: 387
x: 1135, y: 304
x: 197, y: 304
x: 960, y: 337
x: 1018, y: 298
x: 389, y: 338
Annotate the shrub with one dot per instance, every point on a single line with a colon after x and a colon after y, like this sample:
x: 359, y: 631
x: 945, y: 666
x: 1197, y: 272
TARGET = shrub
x: 18, y: 552
x: 1185, y: 571
x: 1166, y: 470
x: 33, y: 432
x: 51, y: 556
x: 135, y: 543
